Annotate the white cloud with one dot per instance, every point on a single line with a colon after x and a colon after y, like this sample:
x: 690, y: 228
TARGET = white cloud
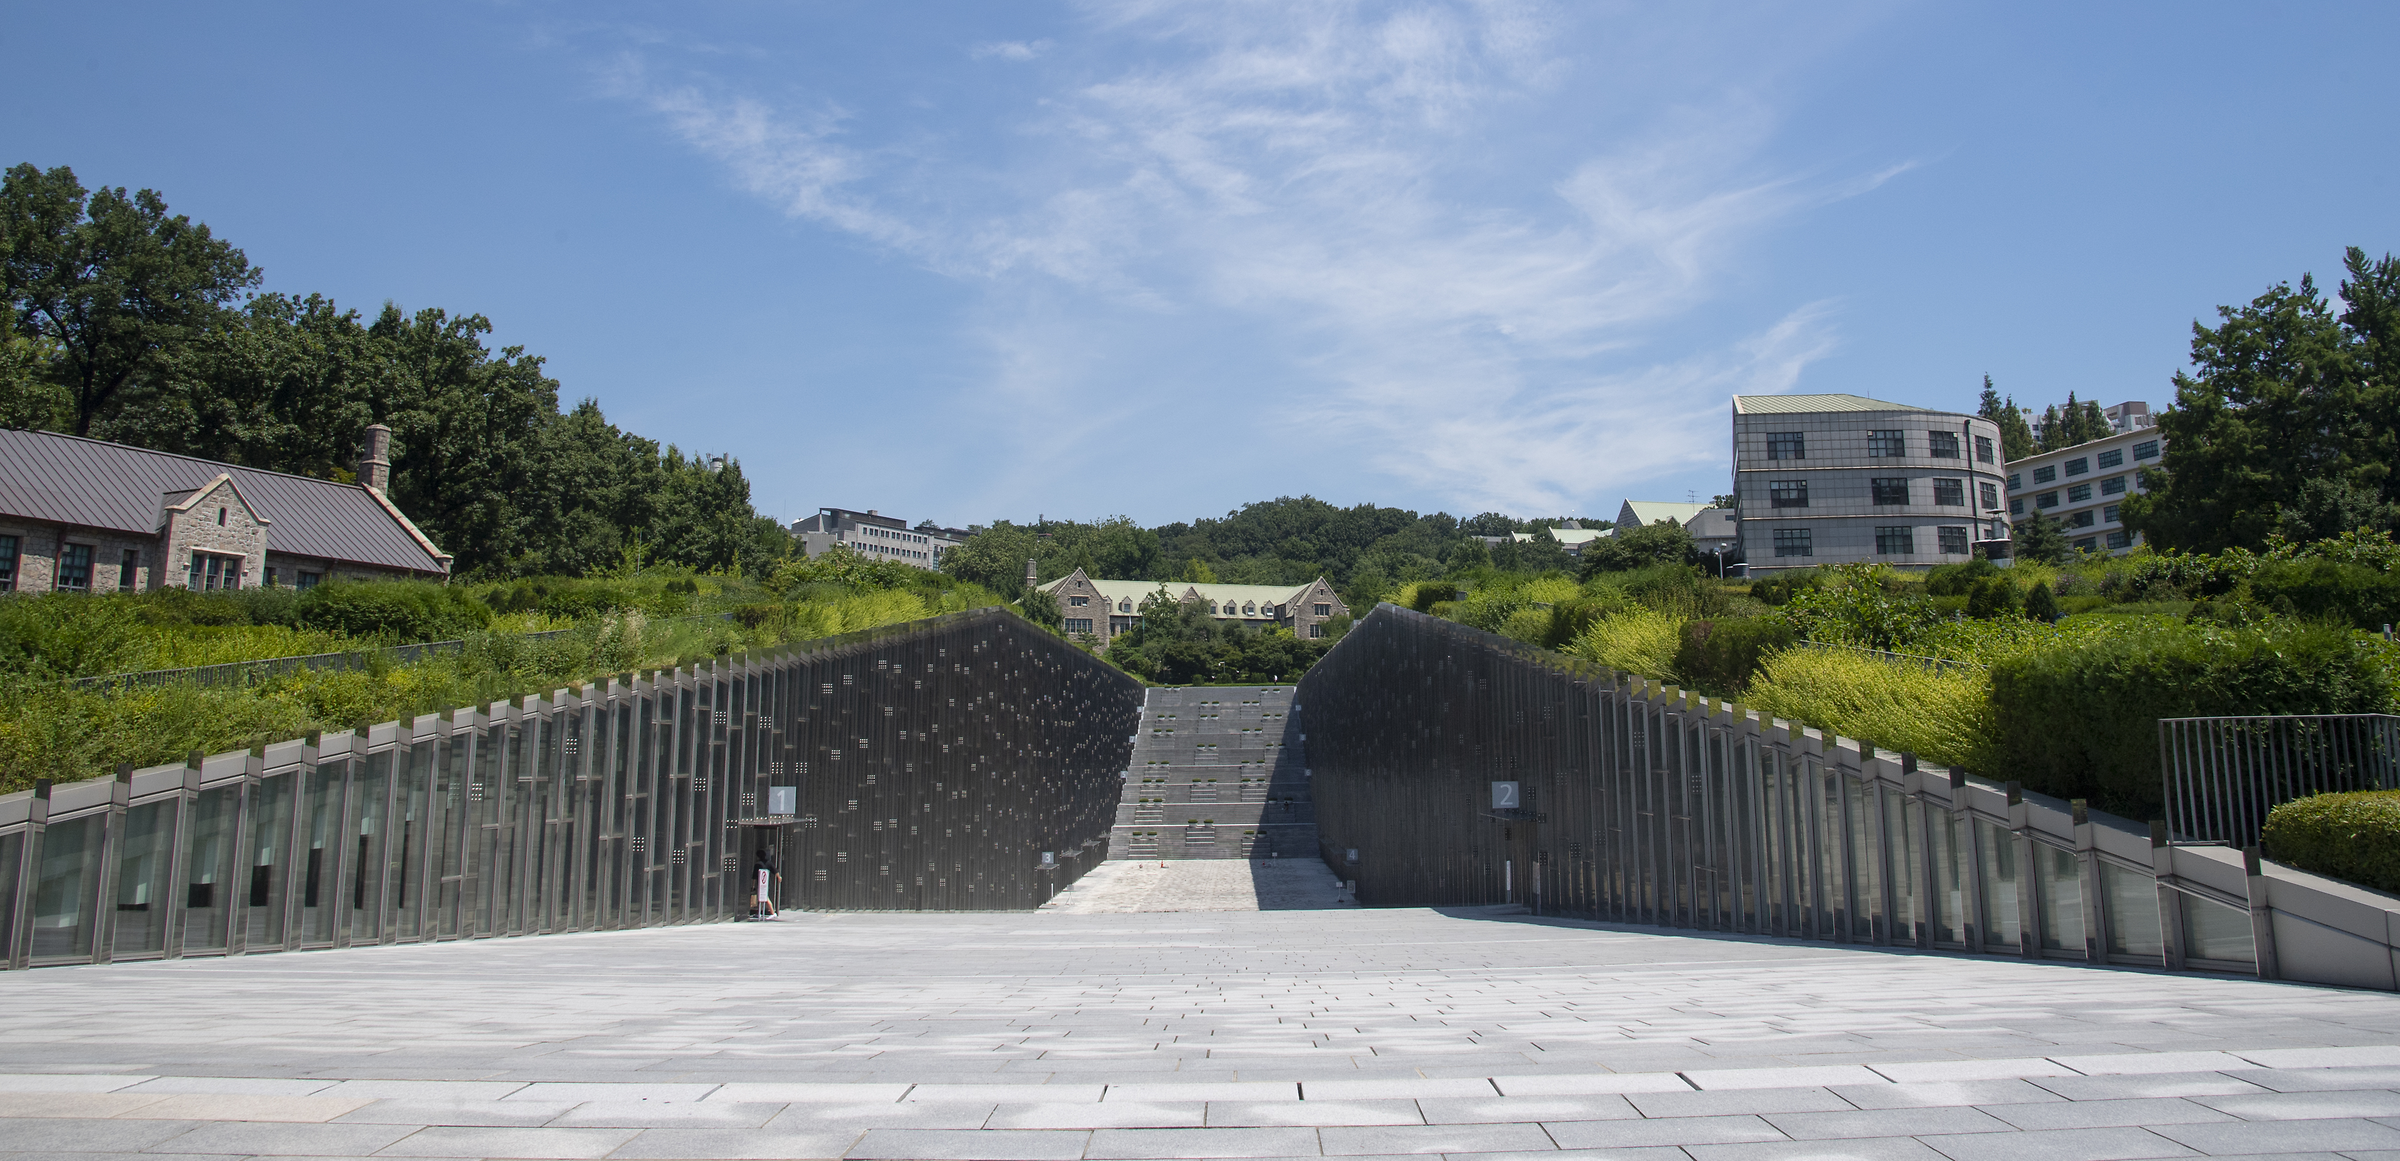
x: 1010, y: 49
x: 1466, y: 284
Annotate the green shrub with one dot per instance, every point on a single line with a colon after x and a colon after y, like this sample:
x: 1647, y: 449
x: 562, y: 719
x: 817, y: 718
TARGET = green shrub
x: 2041, y: 603
x: 1993, y: 596
x: 1681, y: 589
x: 2348, y: 836
x: 1639, y: 641
x: 2078, y: 717
x: 1530, y: 625
x: 1780, y: 587
x: 1943, y: 717
x: 1421, y: 595
x: 397, y: 611
x: 2328, y: 590
x: 1569, y: 618
x: 1954, y: 580
x: 1720, y: 657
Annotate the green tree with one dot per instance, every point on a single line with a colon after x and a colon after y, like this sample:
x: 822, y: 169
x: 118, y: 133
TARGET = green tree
x: 1196, y: 571
x: 1543, y: 553
x: 28, y: 397
x: 2016, y: 437
x: 113, y: 280
x: 995, y: 558
x: 2039, y: 539
x: 1663, y: 542
x: 2282, y: 392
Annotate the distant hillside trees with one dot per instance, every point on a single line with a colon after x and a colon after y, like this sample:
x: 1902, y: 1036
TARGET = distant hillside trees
x: 130, y: 324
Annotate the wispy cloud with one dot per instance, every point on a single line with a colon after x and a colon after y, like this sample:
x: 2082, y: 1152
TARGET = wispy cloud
x: 1010, y: 49
x: 1469, y: 289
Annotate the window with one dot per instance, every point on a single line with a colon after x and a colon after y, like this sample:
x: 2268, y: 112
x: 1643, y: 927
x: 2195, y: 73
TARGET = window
x: 8, y: 564
x: 1983, y: 449
x: 1786, y: 445
x: 2112, y: 458
x: 2046, y: 500
x: 2109, y: 514
x: 74, y: 568
x: 1124, y: 606
x: 2087, y: 544
x: 1895, y: 540
x: 2078, y: 466
x: 1889, y: 489
x: 2016, y: 505
x: 1793, y: 542
x: 1316, y: 630
x: 1079, y: 624
x: 1988, y: 493
x: 2146, y: 450
x: 2045, y: 475
x: 2113, y: 486
x: 2120, y: 539
x: 1950, y: 493
x: 1942, y: 445
x: 2078, y: 493
x: 2081, y: 519
x: 308, y: 580
x: 2014, y: 482
x: 129, y: 569
x: 1886, y: 444
x: 211, y: 571
x: 220, y: 517
x: 1954, y: 540
x: 1324, y: 610
x: 1787, y: 493
x: 1249, y: 608
x: 1078, y: 602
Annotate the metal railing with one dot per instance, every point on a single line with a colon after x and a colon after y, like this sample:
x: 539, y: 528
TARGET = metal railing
x: 2222, y: 775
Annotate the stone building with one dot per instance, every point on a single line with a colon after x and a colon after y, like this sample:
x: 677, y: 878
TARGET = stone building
x: 82, y: 515
x: 1105, y: 608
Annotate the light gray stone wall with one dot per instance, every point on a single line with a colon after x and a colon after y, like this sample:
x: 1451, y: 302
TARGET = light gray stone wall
x: 40, y: 545
x: 215, y: 521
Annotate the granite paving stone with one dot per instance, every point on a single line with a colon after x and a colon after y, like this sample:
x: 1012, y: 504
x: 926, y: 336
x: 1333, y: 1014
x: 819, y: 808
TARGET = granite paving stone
x: 2108, y: 1113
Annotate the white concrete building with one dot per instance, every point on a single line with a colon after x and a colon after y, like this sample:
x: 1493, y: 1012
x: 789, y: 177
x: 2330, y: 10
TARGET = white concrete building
x: 875, y: 536
x: 2084, y: 486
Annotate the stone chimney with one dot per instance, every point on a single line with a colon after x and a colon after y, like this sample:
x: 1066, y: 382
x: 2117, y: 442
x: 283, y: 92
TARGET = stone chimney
x: 1033, y: 576
x: 375, y: 459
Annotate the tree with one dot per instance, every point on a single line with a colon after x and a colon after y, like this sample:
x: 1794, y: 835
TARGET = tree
x: 113, y: 280
x: 2016, y: 438
x: 994, y: 558
x: 2039, y: 539
x: 1543, y: 553
x: 2282, y: 392
x: 1042, y: 609
x: 28, y: 398
x: 1663, y: 542
x: 1196, y: 571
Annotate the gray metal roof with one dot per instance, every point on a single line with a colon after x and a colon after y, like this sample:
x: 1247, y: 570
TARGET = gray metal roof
x: 88, y: 483
x: 1802, y: 404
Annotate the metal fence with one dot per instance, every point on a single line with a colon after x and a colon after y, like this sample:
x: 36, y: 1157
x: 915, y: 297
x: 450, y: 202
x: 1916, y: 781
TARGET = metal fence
x: 2222, y: 775
x: 1452, y: 766
x: 967, y: 762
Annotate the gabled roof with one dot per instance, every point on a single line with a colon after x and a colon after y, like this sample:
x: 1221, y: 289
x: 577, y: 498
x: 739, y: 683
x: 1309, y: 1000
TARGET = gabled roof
x: 1796, y: 404
x: 1649, y: 512
x: 1139, y: 590
x: 89, y: 483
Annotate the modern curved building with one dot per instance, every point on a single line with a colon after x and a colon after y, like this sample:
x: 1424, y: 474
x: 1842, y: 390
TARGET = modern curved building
x: 1830, y: 479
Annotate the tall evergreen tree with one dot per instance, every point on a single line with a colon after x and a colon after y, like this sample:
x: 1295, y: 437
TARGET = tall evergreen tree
x: 2016, y: 437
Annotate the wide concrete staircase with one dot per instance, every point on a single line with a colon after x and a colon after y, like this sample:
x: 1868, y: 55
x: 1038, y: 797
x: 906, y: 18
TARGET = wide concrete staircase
x: 1218, y: 773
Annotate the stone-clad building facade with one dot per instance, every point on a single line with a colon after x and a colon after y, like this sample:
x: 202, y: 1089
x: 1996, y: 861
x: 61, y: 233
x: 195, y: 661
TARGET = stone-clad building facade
x: 1105, y: 608
x: 83, y: 515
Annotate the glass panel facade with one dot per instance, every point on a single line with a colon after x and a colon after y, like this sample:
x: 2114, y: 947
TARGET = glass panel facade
x: 270, y: 850
x: 208, y: 899
x: 2061, y: 897
x: 2132, y: 902
x: 69, y: 875
x: 2213, y: 931
x: 1996, y: 855
x: 142, y: 884
x: 1948, y: 898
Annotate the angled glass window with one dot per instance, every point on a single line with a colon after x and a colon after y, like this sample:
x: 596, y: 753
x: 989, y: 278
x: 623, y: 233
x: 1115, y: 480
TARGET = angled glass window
x: 1886, y: 444
x: 1786, y: 445
x: 1954, y: 540
x: 1897, y: 540
x: 1983, y: 449
x: 1793, y: 542
x: 1889, y: 489
x: 1787, y: 493
x: 1941, y: 445
x: 1988, y: 493
x: 1950, y: 493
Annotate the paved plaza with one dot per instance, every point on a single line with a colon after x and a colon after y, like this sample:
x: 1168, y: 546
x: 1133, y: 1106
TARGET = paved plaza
x: 1117, y: 1034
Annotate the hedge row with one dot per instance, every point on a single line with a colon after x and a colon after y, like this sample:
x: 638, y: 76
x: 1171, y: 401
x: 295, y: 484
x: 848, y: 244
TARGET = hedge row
x: 2347, y: 836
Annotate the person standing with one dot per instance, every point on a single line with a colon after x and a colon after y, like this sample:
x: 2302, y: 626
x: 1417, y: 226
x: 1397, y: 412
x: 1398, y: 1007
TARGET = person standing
x: 762, y: 904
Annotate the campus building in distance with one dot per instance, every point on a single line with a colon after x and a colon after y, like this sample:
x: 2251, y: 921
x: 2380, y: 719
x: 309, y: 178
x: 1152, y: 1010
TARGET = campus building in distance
x: 1829, y: 479
x: 874, y: 535
x: 1105, y: 608
x: 2083, y: 486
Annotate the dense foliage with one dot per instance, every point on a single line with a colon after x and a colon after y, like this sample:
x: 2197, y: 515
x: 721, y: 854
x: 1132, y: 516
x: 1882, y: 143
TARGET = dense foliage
x: 127, y: 323
x: 1179, y: 643
x: 2348, y: 836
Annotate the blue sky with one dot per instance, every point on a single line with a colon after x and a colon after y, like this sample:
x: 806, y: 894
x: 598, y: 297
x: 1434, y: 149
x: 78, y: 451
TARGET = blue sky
x: 977, y: 260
